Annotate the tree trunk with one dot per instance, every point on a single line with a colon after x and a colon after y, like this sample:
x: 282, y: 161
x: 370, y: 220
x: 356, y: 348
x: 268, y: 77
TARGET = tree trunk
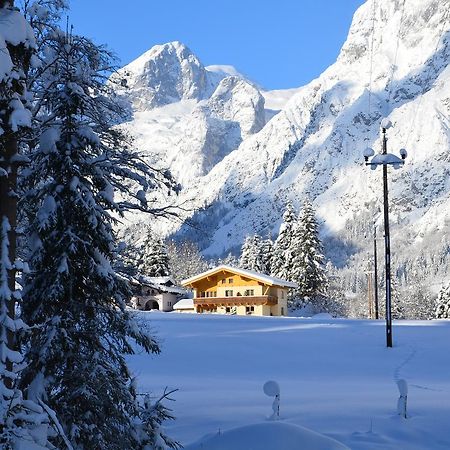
x: 8, y: 210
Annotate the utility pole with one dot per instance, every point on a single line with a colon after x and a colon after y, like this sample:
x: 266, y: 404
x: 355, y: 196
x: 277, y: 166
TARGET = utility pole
x: 375, y: 271
x: 387, y: 245
x: 384, y: 159
x: 370, y: 294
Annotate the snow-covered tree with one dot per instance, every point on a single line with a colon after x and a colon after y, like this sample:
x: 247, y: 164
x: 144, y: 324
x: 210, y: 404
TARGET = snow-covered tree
x: 443, y: 303
x: 185, y: 260
x: 152, y: 415
x: 307, y: 260
x: 73, y: 298
x: 266, y: 255
x: 397, y: 303
x: 22, y: 423
x: 281, y: 260
x: 154, y: 261
x: 229, y: 260
x: 251, y: 255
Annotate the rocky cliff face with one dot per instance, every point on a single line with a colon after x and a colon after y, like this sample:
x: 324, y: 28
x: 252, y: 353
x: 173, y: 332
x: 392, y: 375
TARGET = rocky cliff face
x: 395, y: 64
x: 165, y: 74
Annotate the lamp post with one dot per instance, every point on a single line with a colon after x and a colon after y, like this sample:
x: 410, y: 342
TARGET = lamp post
x: 375, y: 271
x: 384, y: 159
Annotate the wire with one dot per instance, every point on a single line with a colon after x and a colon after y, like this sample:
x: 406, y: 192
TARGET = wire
x: 394, y: 66
x: 367, y: 139
x: 371, y: 68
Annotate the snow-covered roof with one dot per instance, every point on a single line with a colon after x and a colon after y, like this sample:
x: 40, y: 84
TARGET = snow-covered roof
x: 161, y: 284
x: 271, y: 281
x: 184, y: 303
x: 168, y: 281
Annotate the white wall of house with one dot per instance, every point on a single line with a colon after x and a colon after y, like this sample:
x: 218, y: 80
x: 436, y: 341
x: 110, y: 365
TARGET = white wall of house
x: 164, y: 301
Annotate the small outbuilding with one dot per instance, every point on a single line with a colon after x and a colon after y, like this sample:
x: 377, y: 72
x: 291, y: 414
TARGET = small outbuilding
x: 159, y: 293
x: 230, y: 290
x: 185, y: 305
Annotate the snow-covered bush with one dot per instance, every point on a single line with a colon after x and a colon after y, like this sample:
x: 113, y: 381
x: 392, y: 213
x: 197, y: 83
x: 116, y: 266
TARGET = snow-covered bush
x: 152, y: 415
x: 443, y: 303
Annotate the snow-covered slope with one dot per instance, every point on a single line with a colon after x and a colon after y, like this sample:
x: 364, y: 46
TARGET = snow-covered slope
x: 394, y: 64
x: 314, y: 145
x: 340, y: 380
x: 184, y: 115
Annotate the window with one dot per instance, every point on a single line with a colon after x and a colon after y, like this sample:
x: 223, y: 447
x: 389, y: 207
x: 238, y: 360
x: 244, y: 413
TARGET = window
x: 229, y: 293
x: 282, y: 294
x: 224, y: 281
x: 202, y: 294
x: 227, y: 309
x: 282, y: 311
x: 249, y: 292
x: 230, y: 280
x: 249, y: 309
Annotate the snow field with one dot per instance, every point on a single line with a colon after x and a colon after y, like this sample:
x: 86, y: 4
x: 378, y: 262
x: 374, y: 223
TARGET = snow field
x: 337, y: 377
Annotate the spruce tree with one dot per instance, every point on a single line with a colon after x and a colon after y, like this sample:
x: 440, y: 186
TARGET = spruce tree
x: 73, y: 298
x: 251, y: 255
x: 22, y: 423
x: 443, y: 303
x: 307, y: 258
x: 397, y: 303
x: 281, y: 260
x: 266, y: 254
x: 155, y: 259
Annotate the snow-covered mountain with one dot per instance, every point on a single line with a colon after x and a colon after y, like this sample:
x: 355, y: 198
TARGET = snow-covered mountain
x: 212, y: 130
x: 189, y: 117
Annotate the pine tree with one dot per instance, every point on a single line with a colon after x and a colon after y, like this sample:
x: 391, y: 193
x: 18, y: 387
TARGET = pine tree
x: 266, y: 254
x: 229, y: 260
x: 307, y: 260
x: 443, y: 303
x: 281, y: 260
x: 21, y: 422
x: 397, y: 304
x: 251, y: 254
x: 155, y: 259
x: 73, y: 298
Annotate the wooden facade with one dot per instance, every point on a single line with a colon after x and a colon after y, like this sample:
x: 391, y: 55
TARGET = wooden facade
x: 229, y: 290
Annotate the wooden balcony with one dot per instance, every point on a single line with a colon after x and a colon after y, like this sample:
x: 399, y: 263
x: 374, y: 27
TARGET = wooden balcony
x: 244, y: 300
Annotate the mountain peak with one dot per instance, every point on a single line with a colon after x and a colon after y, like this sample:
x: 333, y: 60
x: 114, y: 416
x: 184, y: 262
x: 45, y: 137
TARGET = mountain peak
x: 165, y: 74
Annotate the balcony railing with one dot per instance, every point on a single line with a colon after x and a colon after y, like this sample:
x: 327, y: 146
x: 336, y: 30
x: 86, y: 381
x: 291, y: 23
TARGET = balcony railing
x: 239, y: 300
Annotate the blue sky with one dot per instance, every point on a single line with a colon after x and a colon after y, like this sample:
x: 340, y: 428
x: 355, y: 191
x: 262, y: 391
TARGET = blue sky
x: 276, y: 43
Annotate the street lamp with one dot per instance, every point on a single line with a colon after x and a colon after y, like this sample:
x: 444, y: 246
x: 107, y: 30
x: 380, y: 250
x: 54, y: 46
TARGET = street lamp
x: 384, y: 159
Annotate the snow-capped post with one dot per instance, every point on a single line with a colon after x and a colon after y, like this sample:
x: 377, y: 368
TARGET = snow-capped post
x: 272, y: 389
x: 384, y: 159
x: 402, y: 400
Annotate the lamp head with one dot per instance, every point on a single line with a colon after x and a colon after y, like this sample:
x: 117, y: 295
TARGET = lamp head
x: 368, y: 152
x: 386, y: 124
